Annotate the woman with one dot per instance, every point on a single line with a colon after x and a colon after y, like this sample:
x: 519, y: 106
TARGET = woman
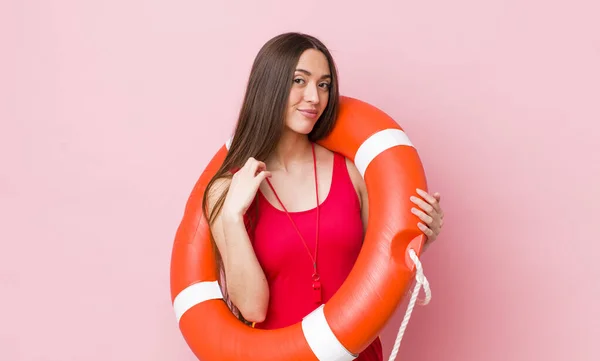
x: 276, y: 185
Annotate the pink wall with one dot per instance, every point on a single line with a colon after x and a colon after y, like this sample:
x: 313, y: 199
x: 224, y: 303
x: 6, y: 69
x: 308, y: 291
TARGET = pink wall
x: 110, y: 109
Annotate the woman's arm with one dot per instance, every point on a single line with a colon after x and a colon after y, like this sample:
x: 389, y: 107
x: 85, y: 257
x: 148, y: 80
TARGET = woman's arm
x: 428, y: 208
x: 245, y: 280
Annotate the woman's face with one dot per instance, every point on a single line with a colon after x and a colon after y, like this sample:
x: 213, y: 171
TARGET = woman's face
x: 309, y: 93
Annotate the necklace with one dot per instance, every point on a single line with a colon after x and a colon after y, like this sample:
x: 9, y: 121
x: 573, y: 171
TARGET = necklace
x: 316, y: 279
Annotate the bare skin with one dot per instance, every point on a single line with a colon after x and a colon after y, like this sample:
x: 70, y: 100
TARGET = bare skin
x: 290, y: 169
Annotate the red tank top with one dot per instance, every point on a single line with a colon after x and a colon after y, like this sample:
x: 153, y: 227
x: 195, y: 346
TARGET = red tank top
x: 287, y: 264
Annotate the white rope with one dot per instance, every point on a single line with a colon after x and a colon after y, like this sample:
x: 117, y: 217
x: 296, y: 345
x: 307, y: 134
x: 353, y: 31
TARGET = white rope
x: 421, y: 281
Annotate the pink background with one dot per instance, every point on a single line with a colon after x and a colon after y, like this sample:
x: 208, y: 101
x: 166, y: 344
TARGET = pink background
x: 110, y: 109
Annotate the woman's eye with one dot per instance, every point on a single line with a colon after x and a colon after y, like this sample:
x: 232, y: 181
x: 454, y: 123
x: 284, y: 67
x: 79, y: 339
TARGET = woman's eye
x: 299, y: 81
x: 325, y: 85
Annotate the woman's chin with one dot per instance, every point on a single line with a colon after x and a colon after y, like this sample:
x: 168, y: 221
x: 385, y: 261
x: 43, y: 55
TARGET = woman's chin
x: 302, y: 126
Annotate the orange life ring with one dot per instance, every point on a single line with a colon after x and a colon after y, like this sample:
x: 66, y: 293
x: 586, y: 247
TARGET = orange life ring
x: 356, y: 314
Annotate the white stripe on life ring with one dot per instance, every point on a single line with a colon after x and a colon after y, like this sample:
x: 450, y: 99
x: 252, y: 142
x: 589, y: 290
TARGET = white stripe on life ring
x: 377, y: 144
x: 322, y: 340
x: 228, y: 143
x: 195, y: 294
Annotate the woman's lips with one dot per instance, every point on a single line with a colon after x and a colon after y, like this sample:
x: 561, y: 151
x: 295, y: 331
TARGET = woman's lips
x: 309, y: 113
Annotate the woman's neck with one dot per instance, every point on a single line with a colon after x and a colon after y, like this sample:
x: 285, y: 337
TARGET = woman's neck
x: 293, y: 149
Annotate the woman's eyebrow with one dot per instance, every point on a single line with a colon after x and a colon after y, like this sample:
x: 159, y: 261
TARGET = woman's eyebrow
x: 309, y: 73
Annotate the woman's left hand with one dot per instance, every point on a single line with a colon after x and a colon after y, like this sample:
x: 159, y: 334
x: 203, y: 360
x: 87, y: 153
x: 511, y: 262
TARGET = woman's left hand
x: 430, y: 213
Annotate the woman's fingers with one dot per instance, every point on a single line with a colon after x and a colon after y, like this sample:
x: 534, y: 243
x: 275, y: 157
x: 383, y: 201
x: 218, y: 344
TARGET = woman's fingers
x: 254, y: 167
x: 430, y: 199
x: 423, y: 205
x: 428, y: 232
x: 422, y: 215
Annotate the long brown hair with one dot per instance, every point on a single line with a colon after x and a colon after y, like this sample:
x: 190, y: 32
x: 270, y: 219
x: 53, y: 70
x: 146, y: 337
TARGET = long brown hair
x: 261, y: 118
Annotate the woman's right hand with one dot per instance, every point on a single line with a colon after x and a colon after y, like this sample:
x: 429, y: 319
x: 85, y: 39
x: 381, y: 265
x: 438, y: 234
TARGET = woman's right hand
x: 243, y: 187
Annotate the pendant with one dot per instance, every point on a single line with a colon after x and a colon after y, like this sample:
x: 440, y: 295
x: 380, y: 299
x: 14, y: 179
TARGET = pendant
x: 317, y: 296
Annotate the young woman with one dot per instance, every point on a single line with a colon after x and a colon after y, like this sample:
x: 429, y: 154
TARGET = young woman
x: 263, y: 202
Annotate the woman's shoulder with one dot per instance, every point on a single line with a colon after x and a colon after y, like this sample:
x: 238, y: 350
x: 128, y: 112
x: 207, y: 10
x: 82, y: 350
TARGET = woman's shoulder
x: 219, y: 186
x: 217, y: 189
x: 355, y: 176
